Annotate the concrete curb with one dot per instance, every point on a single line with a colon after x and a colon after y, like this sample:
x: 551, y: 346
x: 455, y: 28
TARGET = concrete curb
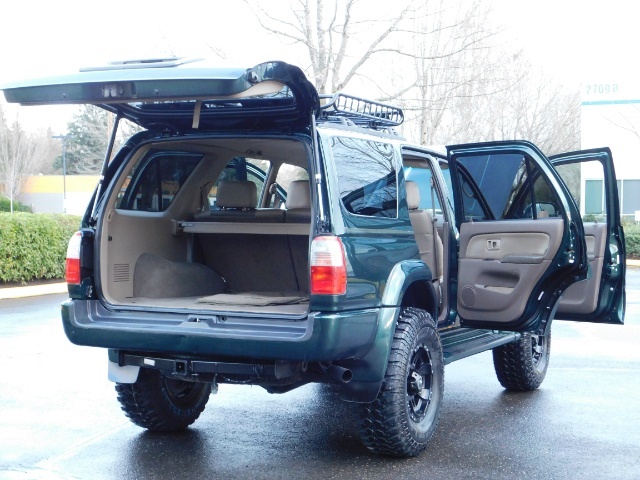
x: 32, y: 290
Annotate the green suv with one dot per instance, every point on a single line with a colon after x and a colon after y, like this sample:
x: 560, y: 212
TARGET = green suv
x: 254, y: 232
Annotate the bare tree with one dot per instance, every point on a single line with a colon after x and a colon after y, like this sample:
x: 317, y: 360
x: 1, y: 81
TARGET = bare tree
x: 472, y: 86
x: 447, y: 64
x: 533, y: 107
x: 88, y: 136
x: 453, y: 63
x: 340, y: 36
x: 20, y: 154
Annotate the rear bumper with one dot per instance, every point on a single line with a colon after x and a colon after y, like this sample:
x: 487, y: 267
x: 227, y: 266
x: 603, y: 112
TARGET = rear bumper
x: 319, y: 337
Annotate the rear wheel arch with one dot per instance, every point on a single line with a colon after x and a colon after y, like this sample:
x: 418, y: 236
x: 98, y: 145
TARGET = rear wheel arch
x: 409, y: 285
x: 420, y: 294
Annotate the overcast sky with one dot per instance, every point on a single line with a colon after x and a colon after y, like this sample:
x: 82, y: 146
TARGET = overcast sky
x: 578, y: 41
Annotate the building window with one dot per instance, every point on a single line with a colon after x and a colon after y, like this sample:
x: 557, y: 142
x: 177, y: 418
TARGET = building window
x: 593, y: 197
x: 630, y: 196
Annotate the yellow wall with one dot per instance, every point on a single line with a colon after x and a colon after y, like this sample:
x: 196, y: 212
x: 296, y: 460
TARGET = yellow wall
x: 54, y: 183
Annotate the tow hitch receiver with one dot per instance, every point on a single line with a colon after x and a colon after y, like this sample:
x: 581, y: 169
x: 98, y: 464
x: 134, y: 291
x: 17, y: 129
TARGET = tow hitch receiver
x: 184, y: 367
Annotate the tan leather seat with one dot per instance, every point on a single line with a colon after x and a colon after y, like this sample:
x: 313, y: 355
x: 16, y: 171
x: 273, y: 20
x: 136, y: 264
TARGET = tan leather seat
x: 424, y: 229
x: 298, y: 202
x: 237, y: 203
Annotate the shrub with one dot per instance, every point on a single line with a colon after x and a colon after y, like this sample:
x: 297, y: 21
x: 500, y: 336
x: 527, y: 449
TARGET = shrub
x: 5, y: 206
x: 632, y: 240
x: 34, y: 246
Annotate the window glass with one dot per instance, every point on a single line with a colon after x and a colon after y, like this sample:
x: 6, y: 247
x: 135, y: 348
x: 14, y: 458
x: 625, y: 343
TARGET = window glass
x: 499, y: 187
x: 619, y: 183
x: 155, y: 180
x: 446, y: 173
x: 366, y: 176
x: 490, y: 184
x: 571, y: 175
x: 593, y: 196
x: 242, y: 169
x: 422, y: 177
x: 543, y: 204
x: 287, y: 173
x: 630, y: 196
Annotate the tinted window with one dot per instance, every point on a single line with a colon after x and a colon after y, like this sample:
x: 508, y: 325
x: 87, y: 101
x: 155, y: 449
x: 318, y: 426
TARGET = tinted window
x: 155, y: 180
x: 504, y: 186
x: 366, y: 176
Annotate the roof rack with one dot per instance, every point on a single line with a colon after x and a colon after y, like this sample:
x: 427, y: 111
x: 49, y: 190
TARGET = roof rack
x: 361, y: 112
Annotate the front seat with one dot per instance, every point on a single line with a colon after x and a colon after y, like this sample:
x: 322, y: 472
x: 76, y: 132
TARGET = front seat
x: 424, y: 229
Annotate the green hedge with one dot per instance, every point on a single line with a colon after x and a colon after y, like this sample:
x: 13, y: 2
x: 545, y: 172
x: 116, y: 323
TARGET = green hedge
x: 632, y: 240
x: 34, y: 246
x: 5, y: 206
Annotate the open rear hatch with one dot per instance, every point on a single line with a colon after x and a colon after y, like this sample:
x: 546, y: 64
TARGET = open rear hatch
x: 181, y: 94
x: 181, y: 100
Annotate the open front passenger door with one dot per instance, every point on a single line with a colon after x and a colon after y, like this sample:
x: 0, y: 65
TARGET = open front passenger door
x: 601, y: 297
x: 521, y: 237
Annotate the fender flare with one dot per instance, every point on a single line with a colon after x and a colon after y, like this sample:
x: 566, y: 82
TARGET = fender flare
x: 369, y: 371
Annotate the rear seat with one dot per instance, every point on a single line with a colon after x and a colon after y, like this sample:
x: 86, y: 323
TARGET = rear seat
x: 298, y: 202
x: 237, y: 201
x: 280, y: 257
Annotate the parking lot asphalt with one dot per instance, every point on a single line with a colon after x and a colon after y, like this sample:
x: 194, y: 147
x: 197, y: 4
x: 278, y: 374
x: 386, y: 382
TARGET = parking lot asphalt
x: 59, y: 418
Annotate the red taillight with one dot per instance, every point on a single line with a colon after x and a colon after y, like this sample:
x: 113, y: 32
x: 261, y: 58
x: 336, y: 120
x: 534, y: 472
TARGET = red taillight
x: 73, y: 260
x: 328, y: 266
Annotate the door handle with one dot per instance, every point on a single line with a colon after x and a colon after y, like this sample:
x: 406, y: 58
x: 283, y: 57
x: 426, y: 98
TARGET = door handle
x: 493, y: 245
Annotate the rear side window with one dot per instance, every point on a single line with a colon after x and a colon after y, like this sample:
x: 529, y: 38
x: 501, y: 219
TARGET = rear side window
x: 367, y: 176
x: 155, y: 180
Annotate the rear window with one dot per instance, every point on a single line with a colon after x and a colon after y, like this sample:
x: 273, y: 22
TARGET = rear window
x: 155, y: 180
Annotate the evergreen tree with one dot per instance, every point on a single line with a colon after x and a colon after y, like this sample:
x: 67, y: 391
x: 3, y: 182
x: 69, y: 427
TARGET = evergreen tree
x: 87, y: 139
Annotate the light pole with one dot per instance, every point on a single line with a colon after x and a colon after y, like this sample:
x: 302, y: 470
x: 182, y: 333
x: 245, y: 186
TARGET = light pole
x: 64, y: 139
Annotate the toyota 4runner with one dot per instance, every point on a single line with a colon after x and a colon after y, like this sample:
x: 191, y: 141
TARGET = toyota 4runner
x: 255, y: 232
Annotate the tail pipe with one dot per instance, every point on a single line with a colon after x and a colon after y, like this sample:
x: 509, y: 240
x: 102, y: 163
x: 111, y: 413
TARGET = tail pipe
x: 341, y: 374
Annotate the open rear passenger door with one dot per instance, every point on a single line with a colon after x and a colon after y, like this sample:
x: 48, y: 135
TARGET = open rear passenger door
x: 601, y: 297
x: 521, y: 237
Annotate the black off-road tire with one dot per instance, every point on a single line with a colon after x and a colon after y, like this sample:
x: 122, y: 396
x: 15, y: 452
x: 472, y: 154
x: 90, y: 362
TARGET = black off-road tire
x: 521, y: 366
x: 404, y: 416
x: 162, y: 404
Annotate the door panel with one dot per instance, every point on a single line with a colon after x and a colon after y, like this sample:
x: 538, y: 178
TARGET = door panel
x: 521, y: 237
x: 582, y: 297
x: 601, y: 298
x: 501, y: 263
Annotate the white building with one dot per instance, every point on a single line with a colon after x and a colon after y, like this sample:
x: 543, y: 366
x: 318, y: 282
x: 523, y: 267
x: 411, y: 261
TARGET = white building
x: 611, y: 117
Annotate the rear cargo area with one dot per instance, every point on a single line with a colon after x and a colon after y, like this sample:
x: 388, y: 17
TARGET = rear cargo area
x: 232, y: 256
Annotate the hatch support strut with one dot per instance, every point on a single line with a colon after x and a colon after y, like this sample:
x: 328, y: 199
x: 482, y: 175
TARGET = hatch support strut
x: 322, y: 224
x: 105, y: 164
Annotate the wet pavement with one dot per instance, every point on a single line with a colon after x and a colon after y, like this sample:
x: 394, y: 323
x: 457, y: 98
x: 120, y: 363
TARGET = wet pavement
x: 59, y: 418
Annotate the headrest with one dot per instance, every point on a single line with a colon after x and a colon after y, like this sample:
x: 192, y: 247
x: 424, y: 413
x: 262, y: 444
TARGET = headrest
x: 298, y: 195
x: 413, y: 195
x: 236, y: 194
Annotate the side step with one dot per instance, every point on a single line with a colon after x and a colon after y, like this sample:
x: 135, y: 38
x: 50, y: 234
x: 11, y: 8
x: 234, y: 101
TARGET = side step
x: 463, y: 342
